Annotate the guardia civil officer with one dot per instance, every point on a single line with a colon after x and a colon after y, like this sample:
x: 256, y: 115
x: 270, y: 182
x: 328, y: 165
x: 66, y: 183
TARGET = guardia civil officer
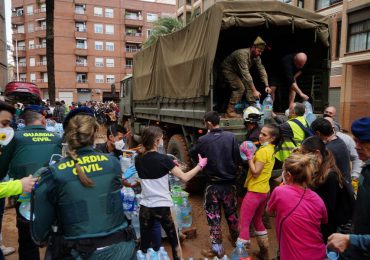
x: 29, y: 150
x: 81, y: 194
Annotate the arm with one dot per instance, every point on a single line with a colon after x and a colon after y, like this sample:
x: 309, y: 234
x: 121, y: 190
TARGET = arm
x: 10, y: 188
x: 255, y: 167
x: 185, y: 176
x: 299, y: 73
x: 6, y: 156
x: 340, y: 242
x: 356, y: 162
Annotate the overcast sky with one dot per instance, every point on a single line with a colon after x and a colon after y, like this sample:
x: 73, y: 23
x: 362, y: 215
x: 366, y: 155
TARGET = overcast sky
x: 8, y: 12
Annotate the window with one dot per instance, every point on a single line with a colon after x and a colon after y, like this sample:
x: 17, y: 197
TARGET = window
x: 43, y: 8
x: 109, y: 46
x: 286, y: 1
x: 81, y: 61
x: 98, y: 28
x: 109, y: 12
x: 98, y: 11
x: 44, y: 77
x: 30, y: 27
x: 99, y: 78
x: 110, y: 79
x: 359, y: 36
x: 22, y: 62
x: 109, y: 29
x: 81, y: 27
x: 21, y: 46
x: 300, y: 3
x: 33, y: 77
x: 81, y: 44
x: 132, y: 48
x: 129, y: 63
x: 32, y: 62
x: 339, y: 35
x: 80, y: 9
x: 31, y: 44
x: 99, y: 62
x: 133, y: 32
x: 151, y: 17
x: 30, y: 10
x: 99, y: 46
x: 133, y: 15
x: 81, y: 77
x: 18, y: 12
x: 321, y: 4
x: 20, y: 29
x: 148, y: 33
x: 109, y: 62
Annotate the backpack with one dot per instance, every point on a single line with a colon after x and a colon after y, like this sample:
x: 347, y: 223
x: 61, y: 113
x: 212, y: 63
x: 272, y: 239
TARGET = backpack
x: 307, y: 130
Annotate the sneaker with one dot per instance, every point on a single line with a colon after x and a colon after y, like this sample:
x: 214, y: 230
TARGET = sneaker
x: 7, y: 250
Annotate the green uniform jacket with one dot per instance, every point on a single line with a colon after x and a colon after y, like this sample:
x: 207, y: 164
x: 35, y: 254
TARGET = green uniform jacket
x: 30, y: 149
x: 10, y: 188
x: 240, y: 62
x: 80, y: 212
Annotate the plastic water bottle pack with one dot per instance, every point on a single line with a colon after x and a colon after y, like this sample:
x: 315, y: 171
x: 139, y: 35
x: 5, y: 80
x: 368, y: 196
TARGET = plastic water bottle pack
x: 240, y: 252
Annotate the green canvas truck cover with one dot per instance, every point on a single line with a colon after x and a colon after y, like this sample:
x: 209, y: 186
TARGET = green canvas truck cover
x: 178, y: 65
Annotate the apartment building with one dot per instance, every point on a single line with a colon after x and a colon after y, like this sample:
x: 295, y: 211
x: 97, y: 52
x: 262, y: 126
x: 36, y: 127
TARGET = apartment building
x: 3, y: 48
x: 94, y: 43
x: 349, y: 89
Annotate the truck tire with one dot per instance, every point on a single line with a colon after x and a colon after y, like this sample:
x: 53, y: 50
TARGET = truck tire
x: 177, y: 147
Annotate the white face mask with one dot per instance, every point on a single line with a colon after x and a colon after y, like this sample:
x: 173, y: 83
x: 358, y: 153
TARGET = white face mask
x: 119, y: 145
x: 6, y: 135
x: 160, y: 143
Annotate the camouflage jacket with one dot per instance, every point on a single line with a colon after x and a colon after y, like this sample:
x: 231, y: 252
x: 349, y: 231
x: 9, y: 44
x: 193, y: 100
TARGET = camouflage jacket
x: 240, y: 61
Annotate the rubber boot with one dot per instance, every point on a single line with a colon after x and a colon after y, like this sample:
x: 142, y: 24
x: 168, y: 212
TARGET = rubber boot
x: 263, y: 243
x: 230, y: 112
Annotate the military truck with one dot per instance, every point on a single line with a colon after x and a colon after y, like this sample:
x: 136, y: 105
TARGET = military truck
x: 177, y: 79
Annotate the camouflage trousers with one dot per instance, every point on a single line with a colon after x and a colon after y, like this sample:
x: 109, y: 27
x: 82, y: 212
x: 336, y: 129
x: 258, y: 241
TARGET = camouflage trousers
x: 215, y: 197
x: 237, y: 87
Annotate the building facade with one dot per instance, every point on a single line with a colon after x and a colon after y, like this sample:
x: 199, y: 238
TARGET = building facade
x: 94, y: 43
x: 349, y: 89
x: 3, y: 48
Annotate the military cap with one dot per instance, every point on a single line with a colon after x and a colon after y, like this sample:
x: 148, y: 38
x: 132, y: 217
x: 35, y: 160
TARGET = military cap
x: 77, y: 111
x: 259, y: 43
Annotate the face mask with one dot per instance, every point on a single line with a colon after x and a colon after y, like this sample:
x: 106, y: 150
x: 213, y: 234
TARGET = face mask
x: 265, y: 143
x: 119, y: 145
x: 160, y: 143
x: 282, y: 176
x: 6, y: 135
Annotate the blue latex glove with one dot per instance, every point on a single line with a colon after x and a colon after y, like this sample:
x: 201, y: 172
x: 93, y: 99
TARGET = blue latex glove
x: 131, y: 171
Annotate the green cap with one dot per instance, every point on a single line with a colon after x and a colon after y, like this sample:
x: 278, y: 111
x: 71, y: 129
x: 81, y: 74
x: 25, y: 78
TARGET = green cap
x: 259, y: 43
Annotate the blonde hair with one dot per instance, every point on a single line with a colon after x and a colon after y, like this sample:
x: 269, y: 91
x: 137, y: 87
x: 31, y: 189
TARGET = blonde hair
x: 301, y: 167
x: 80, y: 132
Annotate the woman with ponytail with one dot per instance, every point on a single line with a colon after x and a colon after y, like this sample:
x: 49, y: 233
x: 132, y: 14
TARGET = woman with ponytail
x: 328, y: 183
x: 81, y: 195
x: 153, y: 169
x: 299, y: 211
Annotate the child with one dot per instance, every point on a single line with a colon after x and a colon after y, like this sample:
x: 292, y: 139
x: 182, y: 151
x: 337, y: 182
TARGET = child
x: 257, y: 184
x: 153, y: 169
x: 299, y: 211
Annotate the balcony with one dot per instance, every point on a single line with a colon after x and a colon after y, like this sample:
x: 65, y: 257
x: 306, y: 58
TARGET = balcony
x: 134, y: 37
x: 82, y: 83
x: 41, y: 66
x: 39, y: 14
x: 18, y: 36
x: 80, y: 32
x: 81, y: 66
x: 21, y: 51
x: 41, y: 80
x: 40, y: 31
x: 80, y: 16
x: 134, y: 22
x: 18, y: 19
x: 22, y: 67
x: 81, y: 51
x: 40, y: 49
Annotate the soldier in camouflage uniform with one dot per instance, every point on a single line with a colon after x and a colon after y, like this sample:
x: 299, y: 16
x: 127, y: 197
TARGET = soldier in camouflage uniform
x: 235, y: 69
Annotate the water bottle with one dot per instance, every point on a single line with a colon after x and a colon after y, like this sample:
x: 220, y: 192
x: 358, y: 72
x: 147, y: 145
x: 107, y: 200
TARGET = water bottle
x: 186, y: 213
x: 239, y: 251
x: 152, y: 255
x: 140, y: 255
x: 258, y: 105
x: 309, y: 115
x: 125, y: 163
x: 135, y: 223
x: 25, y: 210
x: 267, y: 106
x: 162, y: 254
x: 331, y: 254
x: 178, y: 216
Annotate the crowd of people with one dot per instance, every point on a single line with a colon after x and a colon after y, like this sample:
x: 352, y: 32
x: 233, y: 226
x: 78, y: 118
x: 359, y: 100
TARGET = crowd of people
x: 77, y: 208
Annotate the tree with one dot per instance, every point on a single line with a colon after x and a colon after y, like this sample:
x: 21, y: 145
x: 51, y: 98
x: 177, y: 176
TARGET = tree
x: 50, y: 49
x: 163, y: 26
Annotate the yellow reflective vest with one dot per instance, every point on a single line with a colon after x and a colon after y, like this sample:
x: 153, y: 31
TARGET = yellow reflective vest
x: 289, y: 144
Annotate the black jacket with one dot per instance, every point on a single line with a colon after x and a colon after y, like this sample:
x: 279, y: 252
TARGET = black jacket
x: 222, y: 150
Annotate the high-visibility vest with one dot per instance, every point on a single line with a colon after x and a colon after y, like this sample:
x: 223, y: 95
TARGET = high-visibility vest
x: 290, y: 144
